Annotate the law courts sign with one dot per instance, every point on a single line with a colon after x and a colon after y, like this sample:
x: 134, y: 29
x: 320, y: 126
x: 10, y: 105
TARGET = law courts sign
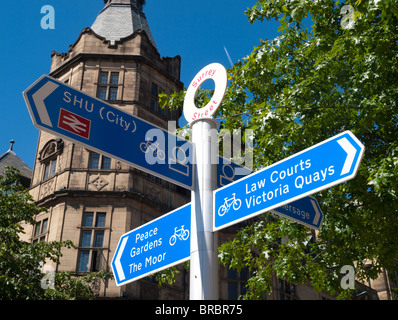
x: 319, y: 167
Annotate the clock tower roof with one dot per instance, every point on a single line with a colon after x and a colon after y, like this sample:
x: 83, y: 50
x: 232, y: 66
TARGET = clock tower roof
x: 120, y: 19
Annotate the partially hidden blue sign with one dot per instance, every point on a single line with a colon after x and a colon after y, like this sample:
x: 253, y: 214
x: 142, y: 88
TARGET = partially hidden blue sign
x: 155, y: 246
x: 305, y: 211
x: 324, y: 165
x: 69, y: 113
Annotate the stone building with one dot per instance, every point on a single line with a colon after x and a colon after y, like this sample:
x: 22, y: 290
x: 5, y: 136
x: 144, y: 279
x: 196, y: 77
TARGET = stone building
x: 92, y: 199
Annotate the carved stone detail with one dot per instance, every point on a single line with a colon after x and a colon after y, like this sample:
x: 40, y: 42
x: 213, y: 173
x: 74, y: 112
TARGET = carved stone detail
x: 153, y: 194
x: 47, y: 188
x: 99, y: 182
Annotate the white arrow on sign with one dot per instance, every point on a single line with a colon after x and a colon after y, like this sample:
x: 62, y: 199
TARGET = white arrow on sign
x: 39, y: 97
x: 317, y: 213
x: 351, y: 151
x: 118, y: 264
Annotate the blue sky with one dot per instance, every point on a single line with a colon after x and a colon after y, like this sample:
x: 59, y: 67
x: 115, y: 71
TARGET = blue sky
x: 198, y: 31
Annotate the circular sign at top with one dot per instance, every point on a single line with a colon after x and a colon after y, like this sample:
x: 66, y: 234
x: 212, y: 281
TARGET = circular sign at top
x: 218, y: 74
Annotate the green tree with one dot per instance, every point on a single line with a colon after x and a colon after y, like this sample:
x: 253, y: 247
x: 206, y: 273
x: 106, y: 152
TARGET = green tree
x: 21, y: 275
x: 330, y: 69
x: 319, y: 77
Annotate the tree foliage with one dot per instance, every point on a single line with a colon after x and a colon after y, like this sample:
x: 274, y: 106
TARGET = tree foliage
x: 317, y: 79
x: 325, y: 72
x: 21, y: 274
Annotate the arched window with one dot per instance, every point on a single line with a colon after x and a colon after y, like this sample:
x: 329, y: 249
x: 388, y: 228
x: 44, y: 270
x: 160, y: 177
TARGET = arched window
x: 48, y: 157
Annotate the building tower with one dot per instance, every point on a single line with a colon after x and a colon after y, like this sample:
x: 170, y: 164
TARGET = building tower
x: 92, y: 199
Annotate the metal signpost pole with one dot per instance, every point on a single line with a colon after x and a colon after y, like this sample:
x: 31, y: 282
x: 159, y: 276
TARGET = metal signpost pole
x: 204, y: 261
x: 204, y: 247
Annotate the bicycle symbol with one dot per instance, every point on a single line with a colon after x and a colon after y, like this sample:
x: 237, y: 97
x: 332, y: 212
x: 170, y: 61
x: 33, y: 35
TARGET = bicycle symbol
x: 181, y: 234
x: 235, y: 203
x: 154, y: 147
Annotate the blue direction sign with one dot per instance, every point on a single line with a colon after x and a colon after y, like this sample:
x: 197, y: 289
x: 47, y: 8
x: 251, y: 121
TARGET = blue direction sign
x: 66, y: 112
x: 319, y: 167
x: 305, y: 211
x: 155, y: 246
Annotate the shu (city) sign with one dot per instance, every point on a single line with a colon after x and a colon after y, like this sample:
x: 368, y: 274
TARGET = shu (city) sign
x: 66, y: 112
